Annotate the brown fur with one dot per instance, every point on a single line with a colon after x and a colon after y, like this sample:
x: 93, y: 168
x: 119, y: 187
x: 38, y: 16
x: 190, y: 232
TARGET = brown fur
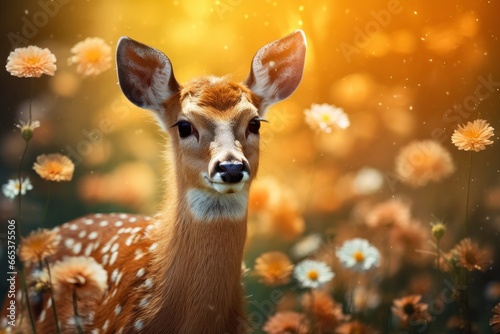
x: 195, y: 269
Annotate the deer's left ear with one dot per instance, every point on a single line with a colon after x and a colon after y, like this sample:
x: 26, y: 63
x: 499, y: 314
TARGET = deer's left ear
x: 277, y: 69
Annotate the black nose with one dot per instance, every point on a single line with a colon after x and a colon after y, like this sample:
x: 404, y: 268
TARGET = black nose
x: 231, y: 171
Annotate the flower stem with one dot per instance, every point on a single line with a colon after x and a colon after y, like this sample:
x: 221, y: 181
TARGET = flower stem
x: 313, y: 324
x: 467, y: 201
x: 351, y: 297
x: 31, y: 98
x: 18, y: 225
x: 58, y: 330
x: 75, y: 309
x: 27, y: 297
x: 438, y: 267
x: 46, y: 210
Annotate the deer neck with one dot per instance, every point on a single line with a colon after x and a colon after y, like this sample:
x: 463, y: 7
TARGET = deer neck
x: 198, y: 262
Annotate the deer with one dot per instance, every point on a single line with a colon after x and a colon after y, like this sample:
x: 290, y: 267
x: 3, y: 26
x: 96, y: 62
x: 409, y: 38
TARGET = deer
x: 180, y: 271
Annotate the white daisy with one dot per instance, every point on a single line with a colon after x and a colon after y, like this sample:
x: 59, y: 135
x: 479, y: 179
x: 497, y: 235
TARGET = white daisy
x: 12, y: 187
x: 325, y: 117
x: 358, y: 254
x: 312, y: 274
x: 27, y: 128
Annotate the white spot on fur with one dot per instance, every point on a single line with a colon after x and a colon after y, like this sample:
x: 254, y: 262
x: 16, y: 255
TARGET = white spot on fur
x: 113, y: 258
x: 104, y: 223
x: 132, y: 220
x: 138, y: 254
x: 42, y: 316
x: 129, y: 240
x: 88, y: 250
x: 153, y: 247
x: 115, y: 246
x: 145, y: 301
x: 118, y: 309
x: 120, y: 275
x: 211, y: 206
x: 138, y: 324
x: 141, y: 272
x: 104, y: 260
x: 69, y: 243
x: 118, y: 223
x: 122, y: 216
x: 93, y: 235
x: 114, y: 275
x: 148, y: 284
x: 88, y: 221
x: 105, y: 326
x: 82, y: 234
x: 73, y: 227
x: 77, y: 248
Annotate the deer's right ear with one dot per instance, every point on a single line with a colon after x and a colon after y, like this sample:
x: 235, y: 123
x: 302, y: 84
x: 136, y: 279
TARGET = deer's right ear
x: 145, y: 74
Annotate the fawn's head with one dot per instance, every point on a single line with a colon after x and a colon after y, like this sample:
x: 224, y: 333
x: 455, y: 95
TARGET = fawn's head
x: 213, y: 122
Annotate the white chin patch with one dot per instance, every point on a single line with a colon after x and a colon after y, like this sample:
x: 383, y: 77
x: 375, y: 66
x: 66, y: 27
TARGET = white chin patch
x: 228, y: 188
x: 223, y: 187
x: 208, y: 205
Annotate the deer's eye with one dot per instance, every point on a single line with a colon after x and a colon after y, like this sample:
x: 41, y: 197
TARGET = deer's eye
x: 254, y: 126
x: 185, y: 129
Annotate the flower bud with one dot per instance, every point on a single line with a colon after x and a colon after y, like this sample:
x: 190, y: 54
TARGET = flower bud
x: 438, y: 230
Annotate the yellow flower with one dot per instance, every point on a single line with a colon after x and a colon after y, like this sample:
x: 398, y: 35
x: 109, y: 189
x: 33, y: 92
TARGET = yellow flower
x: 54, y: 167
x: 423, y: 161
x: 274, y: 268
x: 81, y: 274
x: 473, y: 137
x: 92, y: 56
x: 31, y: 62
x: 37, y: 246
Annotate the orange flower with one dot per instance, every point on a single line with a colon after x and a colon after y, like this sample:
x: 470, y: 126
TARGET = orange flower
x: 327, y: 314
x: 31, y: 62
x: 423, y: 161
x: 81, y: 274
x: 353, y: 327
x: 388, y: 214
x: 409, y: 308
x: 38, y: 245
x: 471, y: 257
x: 474, y: 136
x: 287, y: 322
x: 274, y: 268
x: 54, y: 167
x: 92, y: 56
